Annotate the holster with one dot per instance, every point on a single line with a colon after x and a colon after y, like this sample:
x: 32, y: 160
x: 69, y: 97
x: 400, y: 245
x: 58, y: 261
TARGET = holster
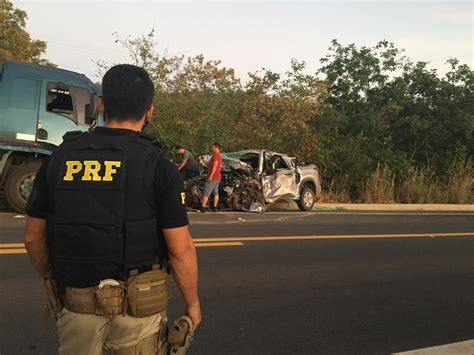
x: 178, y: 339
x: 147, y: 292
x: 55, y: 303
x: 181, y: 335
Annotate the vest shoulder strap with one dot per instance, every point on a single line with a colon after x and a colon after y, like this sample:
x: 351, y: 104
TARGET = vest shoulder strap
x: 148, y: 140
x: 72, y: 135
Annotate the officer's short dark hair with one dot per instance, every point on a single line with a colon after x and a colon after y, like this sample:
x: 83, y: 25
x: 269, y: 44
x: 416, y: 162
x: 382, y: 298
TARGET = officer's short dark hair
x: 178, y: 147
x: 217, y: 145
x: 127, y: 91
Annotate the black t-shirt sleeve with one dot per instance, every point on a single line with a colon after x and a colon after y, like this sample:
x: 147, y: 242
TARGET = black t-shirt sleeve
x: 169, y: 192
x: 38, y: 203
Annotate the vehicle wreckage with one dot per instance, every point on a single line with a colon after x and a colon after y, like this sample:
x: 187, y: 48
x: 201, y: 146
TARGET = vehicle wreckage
x: 254, y: 179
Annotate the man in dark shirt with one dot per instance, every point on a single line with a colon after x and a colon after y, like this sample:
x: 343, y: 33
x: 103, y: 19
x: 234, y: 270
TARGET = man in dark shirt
x: 93, y: 224
x: 188, y: 165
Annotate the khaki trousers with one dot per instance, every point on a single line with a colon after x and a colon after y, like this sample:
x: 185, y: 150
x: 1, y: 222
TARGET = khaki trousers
x: 89, y: 334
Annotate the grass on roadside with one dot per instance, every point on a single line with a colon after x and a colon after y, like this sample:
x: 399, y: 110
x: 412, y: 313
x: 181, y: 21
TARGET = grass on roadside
x: 420, y: 185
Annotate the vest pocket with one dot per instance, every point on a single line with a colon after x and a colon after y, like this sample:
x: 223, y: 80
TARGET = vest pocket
x: 141, y: 243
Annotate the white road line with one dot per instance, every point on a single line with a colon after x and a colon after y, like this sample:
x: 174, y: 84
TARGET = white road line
x: 462, y: 348
x: 335, y: 213
x: 395, y: 213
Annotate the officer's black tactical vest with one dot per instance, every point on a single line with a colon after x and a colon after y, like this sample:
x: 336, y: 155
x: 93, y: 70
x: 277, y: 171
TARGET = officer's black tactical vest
x: 104, y: 218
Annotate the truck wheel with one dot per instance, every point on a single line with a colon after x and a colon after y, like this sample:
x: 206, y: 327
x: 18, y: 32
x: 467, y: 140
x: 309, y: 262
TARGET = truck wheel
x: 19, y: 183
x: 306, y: 201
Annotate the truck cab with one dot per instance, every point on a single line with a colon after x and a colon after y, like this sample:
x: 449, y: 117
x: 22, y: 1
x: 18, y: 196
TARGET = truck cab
x: 38, y: 105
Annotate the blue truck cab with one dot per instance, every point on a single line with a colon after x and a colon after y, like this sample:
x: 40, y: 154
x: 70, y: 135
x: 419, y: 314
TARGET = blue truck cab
x: 38, y: 105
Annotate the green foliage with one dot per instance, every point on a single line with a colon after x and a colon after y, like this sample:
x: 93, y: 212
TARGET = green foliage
x: 380, y: 127
x: 386, y: 110
x: 278, y: 111
x: 15, y: 42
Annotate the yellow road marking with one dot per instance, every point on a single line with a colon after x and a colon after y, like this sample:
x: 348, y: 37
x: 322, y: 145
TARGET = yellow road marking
x: 13, y: 251
x: 348, y: 236
x: 12, y: 245
x: 10, y: 250
x: 218, y: 244
x: 15, y: 248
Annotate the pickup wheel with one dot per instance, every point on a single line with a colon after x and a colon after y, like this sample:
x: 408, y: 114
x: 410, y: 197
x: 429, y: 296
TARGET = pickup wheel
x: 306, y: 201
x: 19, y: 183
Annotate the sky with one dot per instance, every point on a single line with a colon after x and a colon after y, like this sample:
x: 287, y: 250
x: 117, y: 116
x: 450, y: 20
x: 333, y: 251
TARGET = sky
x: 249, y: 35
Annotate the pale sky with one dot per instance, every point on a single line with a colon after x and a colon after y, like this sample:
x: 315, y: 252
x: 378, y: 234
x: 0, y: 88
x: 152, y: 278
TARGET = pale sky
x: 249, y: 35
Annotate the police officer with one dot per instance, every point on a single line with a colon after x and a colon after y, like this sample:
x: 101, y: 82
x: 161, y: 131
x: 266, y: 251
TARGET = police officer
x: 107, y: 219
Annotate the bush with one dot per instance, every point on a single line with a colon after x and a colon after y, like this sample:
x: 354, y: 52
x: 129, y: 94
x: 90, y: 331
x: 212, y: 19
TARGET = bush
x: 380, y: 187
x: 419, y: 185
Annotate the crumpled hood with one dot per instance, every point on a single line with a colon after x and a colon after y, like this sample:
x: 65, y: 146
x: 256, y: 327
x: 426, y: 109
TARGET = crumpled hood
x: 227, y: 163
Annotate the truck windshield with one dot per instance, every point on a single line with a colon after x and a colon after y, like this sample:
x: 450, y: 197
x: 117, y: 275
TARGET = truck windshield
x: 70, y: 101
x: 60, y: 101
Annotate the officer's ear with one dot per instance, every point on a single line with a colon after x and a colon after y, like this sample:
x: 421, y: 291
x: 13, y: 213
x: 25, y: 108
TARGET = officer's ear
x: 149, y: 113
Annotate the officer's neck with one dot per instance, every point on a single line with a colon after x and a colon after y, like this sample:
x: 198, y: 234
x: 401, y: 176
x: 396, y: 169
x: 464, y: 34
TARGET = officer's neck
x: 132, y: 125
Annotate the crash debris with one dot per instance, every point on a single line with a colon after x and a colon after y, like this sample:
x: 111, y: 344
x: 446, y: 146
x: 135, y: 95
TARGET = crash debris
x: 253, y: 179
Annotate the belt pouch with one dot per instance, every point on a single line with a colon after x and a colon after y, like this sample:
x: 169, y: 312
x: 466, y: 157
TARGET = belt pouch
x: 147, y: 293
x: 110, y: 300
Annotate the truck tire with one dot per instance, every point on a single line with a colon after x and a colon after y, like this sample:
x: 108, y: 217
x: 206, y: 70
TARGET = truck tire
x: 19, y: 183
x: 307, y: 199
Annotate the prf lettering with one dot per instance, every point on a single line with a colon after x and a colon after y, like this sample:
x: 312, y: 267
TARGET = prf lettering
x: 90, y: 170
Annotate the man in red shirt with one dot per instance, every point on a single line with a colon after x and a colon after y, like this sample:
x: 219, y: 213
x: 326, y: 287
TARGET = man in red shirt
x: 213, y: 178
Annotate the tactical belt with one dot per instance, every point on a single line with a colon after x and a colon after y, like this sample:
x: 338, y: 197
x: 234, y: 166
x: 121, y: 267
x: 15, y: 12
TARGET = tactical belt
x: 103, y: 300
x: 142, y: 295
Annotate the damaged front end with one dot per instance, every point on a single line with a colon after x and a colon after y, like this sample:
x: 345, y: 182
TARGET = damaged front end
x: 236, y: 192
x: 252, y: 179
x: 243, y: 193
x: 239, y: 190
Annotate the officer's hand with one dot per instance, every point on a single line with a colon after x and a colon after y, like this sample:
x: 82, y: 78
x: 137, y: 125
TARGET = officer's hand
x: 194, y: 312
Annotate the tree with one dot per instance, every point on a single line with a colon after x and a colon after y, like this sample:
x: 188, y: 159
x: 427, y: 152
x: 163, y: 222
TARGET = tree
x: 374, y: 110
x: 385, y: 110
x: 194, y: 97
x: 278, y: 110
x: 15, y: 42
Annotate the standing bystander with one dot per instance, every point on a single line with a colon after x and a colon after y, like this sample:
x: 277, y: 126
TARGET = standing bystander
x: 211, y: 187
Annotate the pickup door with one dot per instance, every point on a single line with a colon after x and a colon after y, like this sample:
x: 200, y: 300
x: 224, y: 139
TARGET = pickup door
x: 63, y: 108
x: 279, y: 180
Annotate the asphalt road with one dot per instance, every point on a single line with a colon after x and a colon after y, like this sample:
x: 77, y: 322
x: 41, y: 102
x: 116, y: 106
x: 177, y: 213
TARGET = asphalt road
x: 405, y: 281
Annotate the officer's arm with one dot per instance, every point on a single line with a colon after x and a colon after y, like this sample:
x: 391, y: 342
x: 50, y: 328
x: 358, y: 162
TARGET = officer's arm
x: 183, y: 260
x: 183, y: 163
x: 35, y: 242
